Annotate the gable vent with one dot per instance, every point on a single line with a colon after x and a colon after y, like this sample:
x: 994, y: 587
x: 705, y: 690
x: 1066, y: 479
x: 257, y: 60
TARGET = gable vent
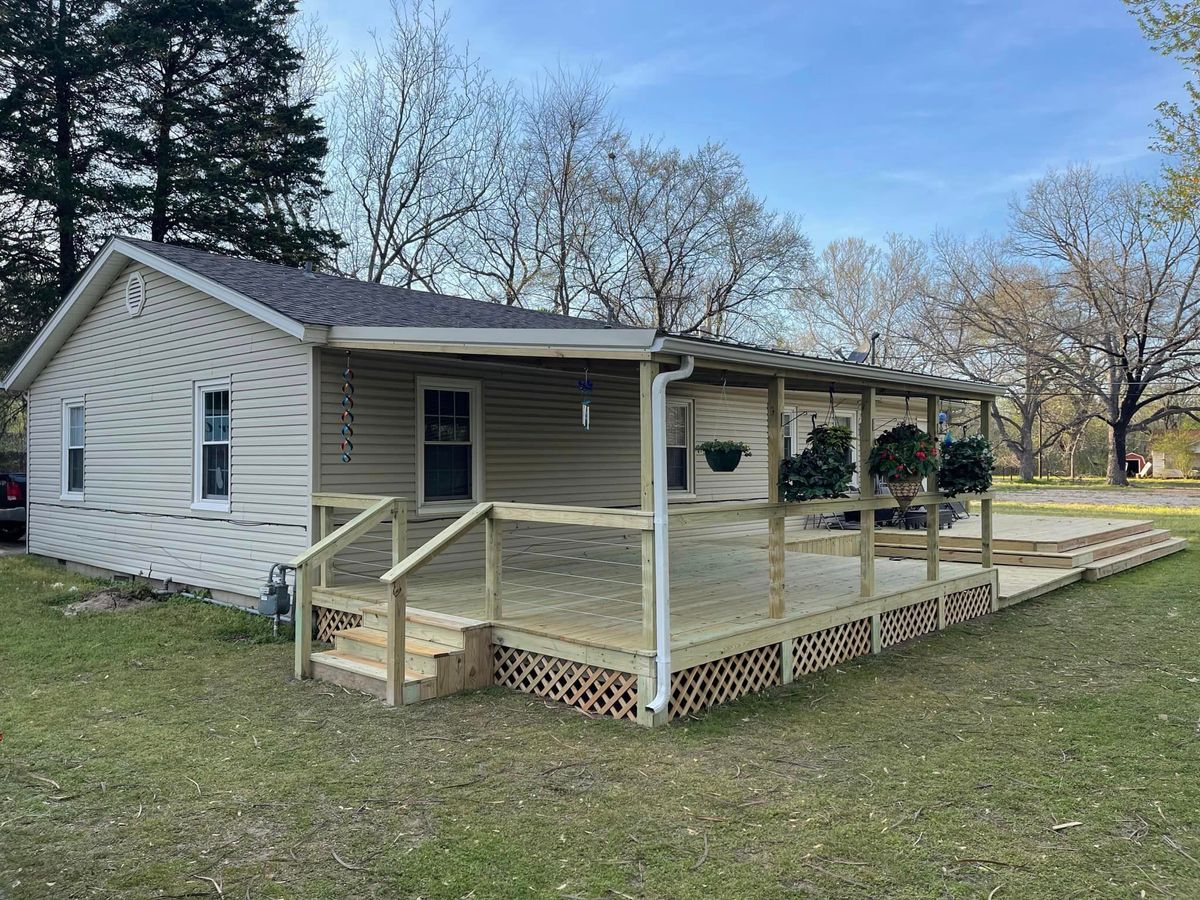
x: 135, y: 294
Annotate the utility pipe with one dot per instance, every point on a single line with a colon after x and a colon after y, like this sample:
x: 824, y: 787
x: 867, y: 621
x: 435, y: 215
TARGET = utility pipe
x: 662, y: 559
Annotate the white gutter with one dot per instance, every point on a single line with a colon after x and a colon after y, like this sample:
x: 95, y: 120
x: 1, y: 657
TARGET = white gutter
x: 662, y: 560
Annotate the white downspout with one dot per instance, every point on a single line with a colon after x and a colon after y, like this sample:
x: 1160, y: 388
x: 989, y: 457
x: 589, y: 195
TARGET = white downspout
x: 662, y: 559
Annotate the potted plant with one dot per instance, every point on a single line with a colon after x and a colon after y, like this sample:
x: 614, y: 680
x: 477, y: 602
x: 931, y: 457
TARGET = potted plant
x: 822, y: 471
x: 966, y: 466
x: 902, y: 457
x: 723, y: 456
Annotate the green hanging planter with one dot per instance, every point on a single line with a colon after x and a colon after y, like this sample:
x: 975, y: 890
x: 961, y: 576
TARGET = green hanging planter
x: 723, y: 456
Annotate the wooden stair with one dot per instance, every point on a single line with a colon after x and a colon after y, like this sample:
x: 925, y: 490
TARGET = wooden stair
x: 442, y: 655
x: 1104, y: 553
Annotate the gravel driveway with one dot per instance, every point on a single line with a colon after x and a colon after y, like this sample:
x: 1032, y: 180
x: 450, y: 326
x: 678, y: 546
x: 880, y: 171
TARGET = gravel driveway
x: 1181, y: 497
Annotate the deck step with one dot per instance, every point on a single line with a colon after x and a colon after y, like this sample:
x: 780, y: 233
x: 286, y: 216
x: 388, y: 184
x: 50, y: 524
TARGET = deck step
x: 1081, y: 556
x: 368, y: 675
x: 1114, y: 564
x: 425, y: 625
x: 420, y: 656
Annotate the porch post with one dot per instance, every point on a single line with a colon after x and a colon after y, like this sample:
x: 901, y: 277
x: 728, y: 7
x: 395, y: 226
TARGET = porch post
x: 866, y: 490
x: 776, y: 563
x: 932, y: 517
x: 985, y: 506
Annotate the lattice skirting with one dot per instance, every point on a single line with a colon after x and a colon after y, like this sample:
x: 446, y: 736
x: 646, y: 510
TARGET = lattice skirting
x: 710, y: 683
x: 596, y: 691
x: 830, y: 646
x: 968, y: 604
x: 907, y: 622
x: 330, y: 620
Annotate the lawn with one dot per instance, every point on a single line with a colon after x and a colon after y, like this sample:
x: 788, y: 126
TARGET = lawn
x: 1052, y: 750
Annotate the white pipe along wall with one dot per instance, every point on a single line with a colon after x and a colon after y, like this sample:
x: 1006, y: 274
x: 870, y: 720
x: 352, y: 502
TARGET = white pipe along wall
x: 662, y: 560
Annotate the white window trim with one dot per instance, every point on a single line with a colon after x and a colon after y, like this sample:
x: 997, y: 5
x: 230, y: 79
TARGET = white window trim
x: 68, y: 404
x: 690, y: 405
x: 475, y: 387
x: 199, y: 502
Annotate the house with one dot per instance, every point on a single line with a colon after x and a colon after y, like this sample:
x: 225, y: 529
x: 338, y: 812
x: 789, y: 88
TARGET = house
x: 1175, y: 453
x: 470, y: 493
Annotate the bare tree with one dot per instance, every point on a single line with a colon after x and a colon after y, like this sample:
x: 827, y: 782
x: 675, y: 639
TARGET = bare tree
x: 569, y: 130
x: 414, y: 151
x: 680, y: 243
x: 503, y: 248
x: 995, y: 317
x: 861, y: 290
x: 1129, y: 276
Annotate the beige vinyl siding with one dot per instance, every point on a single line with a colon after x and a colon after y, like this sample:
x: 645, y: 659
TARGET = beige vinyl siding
x: 535, y: 449
x: 137, y: 377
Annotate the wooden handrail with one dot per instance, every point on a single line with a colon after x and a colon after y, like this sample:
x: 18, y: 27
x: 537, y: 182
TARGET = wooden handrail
x: 344, y: 501
x: 437, y: 543
x: 332, y: 544
x: 593, y: 516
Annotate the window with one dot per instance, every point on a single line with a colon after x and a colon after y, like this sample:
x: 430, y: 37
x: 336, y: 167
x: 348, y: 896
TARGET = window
x: 789, y: 429
x: 212, y: 446
x: 679, y: 445
x: 72, y: 453
x: 449, y: 445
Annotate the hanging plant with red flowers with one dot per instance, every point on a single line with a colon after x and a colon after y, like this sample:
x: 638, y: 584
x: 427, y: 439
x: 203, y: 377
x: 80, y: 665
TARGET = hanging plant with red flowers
x: 904, y: 453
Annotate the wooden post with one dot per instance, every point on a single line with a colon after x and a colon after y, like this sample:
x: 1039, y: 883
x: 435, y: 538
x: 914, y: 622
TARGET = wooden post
x: 493, y: 567
x: 397, y: 608
x: 776, y: 551
x: 324, y: 519
x: 932, y: 516
x: 397, y: 601
x: 866, y: 490
x: 302, y: 620
x: 985, y: 506
x: 646, y: 372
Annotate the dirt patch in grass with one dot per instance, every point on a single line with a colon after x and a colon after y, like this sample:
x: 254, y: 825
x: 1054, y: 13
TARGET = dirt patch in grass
x: 112, y: 599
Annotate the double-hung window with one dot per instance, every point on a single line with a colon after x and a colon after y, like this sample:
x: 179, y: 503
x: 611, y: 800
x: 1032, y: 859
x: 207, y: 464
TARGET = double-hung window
x: 72, y: 449
x: 449, y: 445
x: 679, y: 446
x: 211, y: 476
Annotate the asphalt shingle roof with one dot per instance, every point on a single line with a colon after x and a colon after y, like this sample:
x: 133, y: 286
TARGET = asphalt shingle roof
x: 320, y: 299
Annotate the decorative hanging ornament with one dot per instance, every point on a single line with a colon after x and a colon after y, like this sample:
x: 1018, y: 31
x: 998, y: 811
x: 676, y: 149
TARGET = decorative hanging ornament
x: 347, y: 416
x: 585, y: 399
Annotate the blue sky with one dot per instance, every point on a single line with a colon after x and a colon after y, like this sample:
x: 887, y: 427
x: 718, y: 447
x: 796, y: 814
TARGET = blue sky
x: 860, y: 117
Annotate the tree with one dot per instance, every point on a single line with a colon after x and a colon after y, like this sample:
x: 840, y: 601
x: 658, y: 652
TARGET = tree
x: 1173, y: 28
x: 680, y: 243
x: 54, y: 80
x: 209, y: 146
x: 1131, y: 299
x: 569, y: 131
x: 416, y: 150
x: 995, y: 317
x: 862, y: 289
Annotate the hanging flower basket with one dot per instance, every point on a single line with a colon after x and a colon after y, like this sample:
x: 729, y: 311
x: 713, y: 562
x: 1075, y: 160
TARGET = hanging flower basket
x: 723, y: 456
x: 903, y: 456
x: 966, y: 466
x: 823, y: 470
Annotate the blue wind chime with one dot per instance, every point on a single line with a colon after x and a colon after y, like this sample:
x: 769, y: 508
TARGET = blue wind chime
x: 585, y: 399
x: 347, y: 416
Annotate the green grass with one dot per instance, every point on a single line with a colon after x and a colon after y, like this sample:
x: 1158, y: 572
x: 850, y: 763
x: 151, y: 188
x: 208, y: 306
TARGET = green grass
x: 145, y: 751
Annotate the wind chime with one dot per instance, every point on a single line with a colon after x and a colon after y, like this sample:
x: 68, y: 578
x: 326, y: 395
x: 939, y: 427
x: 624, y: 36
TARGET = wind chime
x: 585, y: 399
x: 347, y: 416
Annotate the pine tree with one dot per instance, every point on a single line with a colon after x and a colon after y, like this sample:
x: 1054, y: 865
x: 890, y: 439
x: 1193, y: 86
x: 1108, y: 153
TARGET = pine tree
x: 55, y: 72
x: 209, y: 150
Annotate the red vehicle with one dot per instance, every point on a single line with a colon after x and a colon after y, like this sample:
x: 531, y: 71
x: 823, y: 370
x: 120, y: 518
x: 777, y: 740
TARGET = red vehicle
x: 12, y: 506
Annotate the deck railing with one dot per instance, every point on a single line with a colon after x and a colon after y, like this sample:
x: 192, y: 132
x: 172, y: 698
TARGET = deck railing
x: 313, y: 566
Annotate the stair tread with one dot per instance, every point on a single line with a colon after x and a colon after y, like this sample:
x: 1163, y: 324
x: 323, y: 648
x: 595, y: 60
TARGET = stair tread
x: 1162, y: 547
x: 360, y: 665
x: 1141, y: 539
x: 411, y: 645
